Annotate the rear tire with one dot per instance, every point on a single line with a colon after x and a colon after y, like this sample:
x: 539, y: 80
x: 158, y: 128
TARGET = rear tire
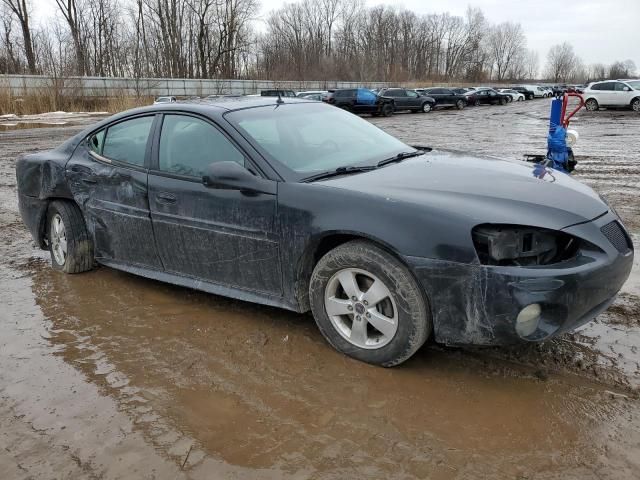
x: 476, y: 103
x: 351, y: 326
x: 387, y: 110
x: 592, y: 105
x: 426, y: 107
x: 635, y: 105
x: 503, y: 101
x: 70, y: 244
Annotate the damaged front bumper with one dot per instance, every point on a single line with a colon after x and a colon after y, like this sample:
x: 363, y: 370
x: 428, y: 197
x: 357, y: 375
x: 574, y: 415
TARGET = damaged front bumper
x: 479, y: 304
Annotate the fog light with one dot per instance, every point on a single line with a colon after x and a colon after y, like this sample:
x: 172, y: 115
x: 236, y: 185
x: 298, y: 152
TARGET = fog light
x: 527, y: 320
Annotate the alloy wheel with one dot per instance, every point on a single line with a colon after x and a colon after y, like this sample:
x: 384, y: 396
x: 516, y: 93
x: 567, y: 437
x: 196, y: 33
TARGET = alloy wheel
x: 361, y: 308
x: 58, y: 239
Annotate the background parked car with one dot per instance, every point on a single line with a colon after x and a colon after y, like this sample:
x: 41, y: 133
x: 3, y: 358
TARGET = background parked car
x: 410, y: 100
x: 469, y: 95
x: 445, y: 97
x: 538, y: 92
x: 276, y: 93
x: 515, y: 96
x: 360, y: 100
x: 612, y: 93
x: 166, y: 99
x: 491, y: 97
x: 526, y: 91
x: 313, y: 96
x: 305, y: 94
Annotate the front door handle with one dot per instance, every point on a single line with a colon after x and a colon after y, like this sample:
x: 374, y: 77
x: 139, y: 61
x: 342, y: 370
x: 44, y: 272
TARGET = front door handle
x: 166, y: 197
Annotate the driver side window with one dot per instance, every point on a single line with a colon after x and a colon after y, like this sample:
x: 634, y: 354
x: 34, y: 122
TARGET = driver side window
x: 188, y: 145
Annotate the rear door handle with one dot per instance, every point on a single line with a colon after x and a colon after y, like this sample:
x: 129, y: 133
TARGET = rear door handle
x: 90, y: 181
x: 166, y: 197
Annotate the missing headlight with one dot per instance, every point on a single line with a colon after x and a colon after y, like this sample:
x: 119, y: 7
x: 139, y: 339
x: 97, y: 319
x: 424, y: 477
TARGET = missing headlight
x: 514, y: 245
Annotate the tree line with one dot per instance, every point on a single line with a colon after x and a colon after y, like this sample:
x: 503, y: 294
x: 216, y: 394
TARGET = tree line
x: 306, y: 40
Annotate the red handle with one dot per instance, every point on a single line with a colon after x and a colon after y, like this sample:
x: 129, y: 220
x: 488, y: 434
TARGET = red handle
x: 565, y: 101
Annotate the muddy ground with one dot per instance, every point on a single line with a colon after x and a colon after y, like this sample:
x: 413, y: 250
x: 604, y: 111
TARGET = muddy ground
x: 107, y: 375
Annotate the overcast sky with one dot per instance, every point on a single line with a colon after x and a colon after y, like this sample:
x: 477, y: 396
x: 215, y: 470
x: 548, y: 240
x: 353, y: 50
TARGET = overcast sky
x: 599, y: 30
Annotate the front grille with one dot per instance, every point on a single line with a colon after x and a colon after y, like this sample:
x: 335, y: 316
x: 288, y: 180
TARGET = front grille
x: 617, y: 236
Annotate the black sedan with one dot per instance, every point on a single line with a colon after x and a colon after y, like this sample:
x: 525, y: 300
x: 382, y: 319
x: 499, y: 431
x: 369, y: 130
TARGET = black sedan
x: 446, y: 97
x: 408, y: 100
x: 491, y: 97
x: 303, y: 206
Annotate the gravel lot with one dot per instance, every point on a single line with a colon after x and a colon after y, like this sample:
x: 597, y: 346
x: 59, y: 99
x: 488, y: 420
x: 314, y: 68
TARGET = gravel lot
x: 106, y: 375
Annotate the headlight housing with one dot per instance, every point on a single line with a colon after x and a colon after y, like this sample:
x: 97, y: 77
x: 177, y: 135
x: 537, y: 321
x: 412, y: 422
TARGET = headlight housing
x: 522, y: 246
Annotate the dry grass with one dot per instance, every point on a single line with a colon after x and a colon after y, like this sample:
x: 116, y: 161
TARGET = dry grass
x: 51, y: 101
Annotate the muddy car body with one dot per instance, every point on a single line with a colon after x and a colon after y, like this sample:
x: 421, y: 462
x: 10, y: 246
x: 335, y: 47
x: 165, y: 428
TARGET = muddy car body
x: 410, y: 243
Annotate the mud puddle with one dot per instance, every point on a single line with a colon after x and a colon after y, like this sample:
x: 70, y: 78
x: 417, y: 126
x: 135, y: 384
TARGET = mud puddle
x: 107, y: 375
x: 130, y: 376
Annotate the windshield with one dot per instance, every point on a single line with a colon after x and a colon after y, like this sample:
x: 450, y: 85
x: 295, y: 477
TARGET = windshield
x: 635, y: 84
x: 309, y: 138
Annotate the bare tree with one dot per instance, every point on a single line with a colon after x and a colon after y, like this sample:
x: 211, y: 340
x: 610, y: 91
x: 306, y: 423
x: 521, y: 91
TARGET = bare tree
x: 506, y: 46
x: 21, y: 9
x: 561, y: 62
x: 71, y: 11
x: 532, y: 64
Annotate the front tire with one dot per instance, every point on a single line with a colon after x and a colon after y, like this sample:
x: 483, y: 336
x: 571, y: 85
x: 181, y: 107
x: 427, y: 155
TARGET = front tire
x: 426, y: 107
x: 367, y: 304
x: 387, y: 110
x: 460, y: 105
x: 592, y: 105
x: 503, y: 101
x: 635, y: 105
x: 70, y: 244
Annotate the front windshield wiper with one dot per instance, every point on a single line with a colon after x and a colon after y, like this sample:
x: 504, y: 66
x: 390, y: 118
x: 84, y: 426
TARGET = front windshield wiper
x: 339, y: 171
x: 399, y: 157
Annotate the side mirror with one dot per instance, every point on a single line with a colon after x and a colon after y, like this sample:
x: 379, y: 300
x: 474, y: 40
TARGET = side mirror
x: 626, y: 89
x: 232, y: 176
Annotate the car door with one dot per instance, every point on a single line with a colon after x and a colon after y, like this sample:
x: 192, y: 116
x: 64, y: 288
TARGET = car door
x: 399, y: 96
x: 622, y: 94
x: 436, y: 94
x: 107, y: 175
x: 226, y: 237
x: 608, y: 93
x: 413, y: 99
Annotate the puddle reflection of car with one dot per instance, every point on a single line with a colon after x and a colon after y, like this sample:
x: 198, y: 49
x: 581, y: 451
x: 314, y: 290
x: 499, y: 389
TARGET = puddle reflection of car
x: 163, y: 100
x: 303, y: 206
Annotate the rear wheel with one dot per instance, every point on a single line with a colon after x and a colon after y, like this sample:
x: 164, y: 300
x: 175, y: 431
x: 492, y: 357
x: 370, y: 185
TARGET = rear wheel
x: 460, y: 104
x: 476, y: 103
x: 69, y: 241
x: 368, y: 305
x: 635, y: 104
x: 503, y: 101
x: 426, y: 107
x: 592, y: 105
x: 387, y: 110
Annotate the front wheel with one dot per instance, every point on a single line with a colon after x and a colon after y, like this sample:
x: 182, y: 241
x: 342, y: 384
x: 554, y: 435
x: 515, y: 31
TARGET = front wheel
x: 387, y: 110
x: 426, y: 107
x: 70, y: 244
x: 592, y: 105
x: 368, y: 305
x: 503, y: 101
x: 476, y: 103
x: 459, y: 104
x: 635, y: 105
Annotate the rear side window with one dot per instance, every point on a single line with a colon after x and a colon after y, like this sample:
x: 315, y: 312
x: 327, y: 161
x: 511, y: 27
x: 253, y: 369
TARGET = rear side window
x: 608, y: 86
x: 127, y: 141
x: 96, y: 142
x: 188, y: 145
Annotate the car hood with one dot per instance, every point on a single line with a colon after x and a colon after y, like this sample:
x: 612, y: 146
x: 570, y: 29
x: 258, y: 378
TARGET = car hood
x: 481, y: 190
